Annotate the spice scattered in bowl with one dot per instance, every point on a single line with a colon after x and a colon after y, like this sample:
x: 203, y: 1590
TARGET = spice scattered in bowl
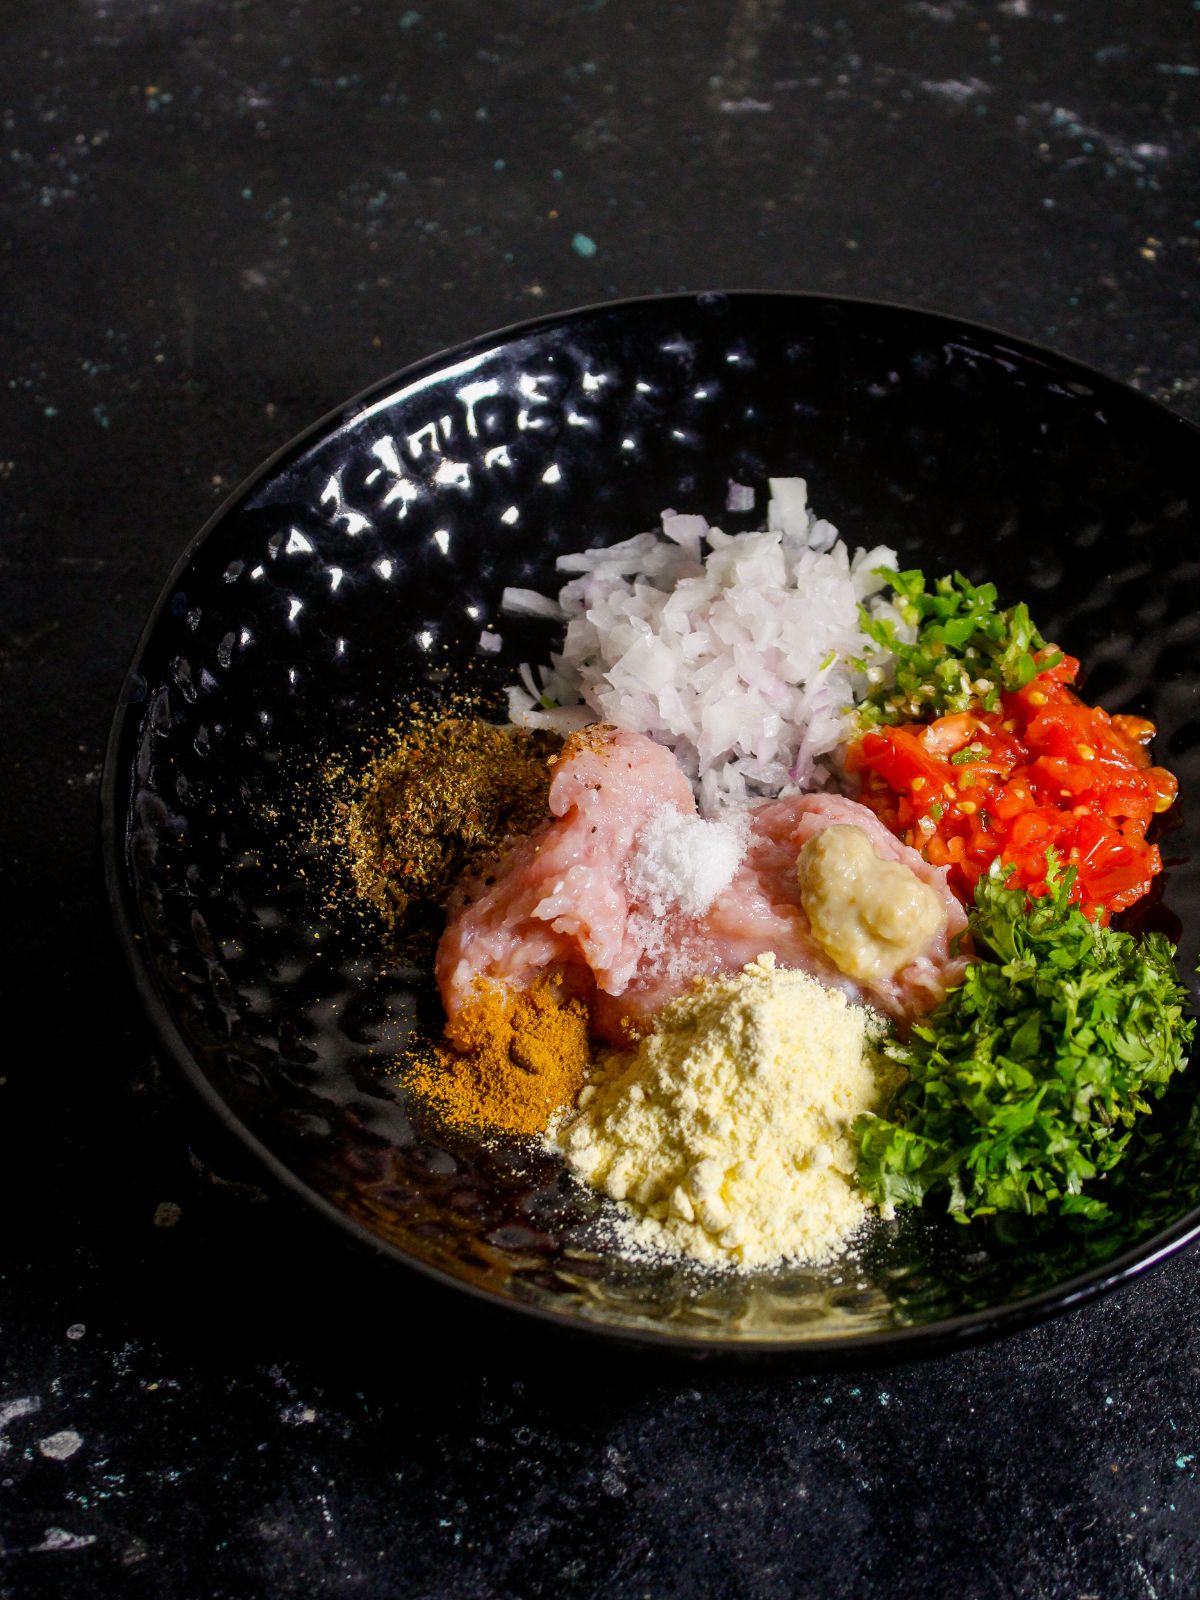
x: 439, y: 804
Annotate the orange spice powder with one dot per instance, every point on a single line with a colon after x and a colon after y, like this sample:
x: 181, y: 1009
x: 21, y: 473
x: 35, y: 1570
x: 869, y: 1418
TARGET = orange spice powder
x: 514, y: 1058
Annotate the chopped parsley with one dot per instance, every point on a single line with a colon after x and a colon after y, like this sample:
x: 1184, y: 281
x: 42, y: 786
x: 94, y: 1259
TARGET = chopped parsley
x: 965, y: 653
x: 1023, y: 1086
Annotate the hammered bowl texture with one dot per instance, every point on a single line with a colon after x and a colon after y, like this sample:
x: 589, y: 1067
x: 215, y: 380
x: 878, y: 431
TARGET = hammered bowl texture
x: 360, y: 568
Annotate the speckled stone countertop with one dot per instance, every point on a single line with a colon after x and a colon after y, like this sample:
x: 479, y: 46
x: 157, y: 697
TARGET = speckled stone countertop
x: 218, y: 218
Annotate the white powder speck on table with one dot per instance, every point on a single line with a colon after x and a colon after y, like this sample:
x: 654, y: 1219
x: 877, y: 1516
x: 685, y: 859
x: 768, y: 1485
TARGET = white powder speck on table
x: 60, y: 1446
x: 726, y: 1137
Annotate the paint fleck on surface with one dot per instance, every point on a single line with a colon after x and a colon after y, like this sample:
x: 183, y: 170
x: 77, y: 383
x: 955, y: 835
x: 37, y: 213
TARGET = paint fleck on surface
x: 956, y: 90
x: 61, y: 1539
x: 11, y: 1410
x: 59, y: 1446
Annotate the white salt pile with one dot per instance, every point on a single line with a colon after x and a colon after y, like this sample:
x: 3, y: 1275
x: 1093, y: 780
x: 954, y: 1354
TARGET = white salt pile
x: 682, y: 862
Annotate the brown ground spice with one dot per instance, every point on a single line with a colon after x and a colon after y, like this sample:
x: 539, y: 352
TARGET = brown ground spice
x: 439, y: 805
x: 517, y: 1057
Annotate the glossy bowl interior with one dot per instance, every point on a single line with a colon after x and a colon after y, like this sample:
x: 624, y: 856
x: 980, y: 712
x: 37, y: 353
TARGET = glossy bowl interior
x: 359, y: 567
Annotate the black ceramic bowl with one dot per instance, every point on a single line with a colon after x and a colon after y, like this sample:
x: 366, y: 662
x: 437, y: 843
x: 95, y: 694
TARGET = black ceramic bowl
x: 361, y: 564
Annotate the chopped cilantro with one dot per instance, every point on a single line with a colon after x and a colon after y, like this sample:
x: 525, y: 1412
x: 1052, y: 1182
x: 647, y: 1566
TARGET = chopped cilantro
x: 1023, y: 1086
x: 965, y: 652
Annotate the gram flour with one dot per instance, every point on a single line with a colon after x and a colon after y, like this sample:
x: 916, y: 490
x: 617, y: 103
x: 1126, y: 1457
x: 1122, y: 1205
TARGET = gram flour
x: 726, y: 1137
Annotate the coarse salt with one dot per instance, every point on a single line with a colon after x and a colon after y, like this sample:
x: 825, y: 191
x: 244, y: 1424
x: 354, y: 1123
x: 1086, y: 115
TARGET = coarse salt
x: 683, y: 862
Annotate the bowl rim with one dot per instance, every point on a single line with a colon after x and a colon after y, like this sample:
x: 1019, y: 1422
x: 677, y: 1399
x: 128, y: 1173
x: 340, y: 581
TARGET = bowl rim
x: 866, y: 1349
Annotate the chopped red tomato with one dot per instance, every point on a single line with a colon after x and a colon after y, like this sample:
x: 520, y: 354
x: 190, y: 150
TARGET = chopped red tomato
x: 1043, y: 772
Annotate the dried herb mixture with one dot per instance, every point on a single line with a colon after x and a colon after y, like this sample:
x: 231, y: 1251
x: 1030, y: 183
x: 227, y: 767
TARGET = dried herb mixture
x: 438, y: 805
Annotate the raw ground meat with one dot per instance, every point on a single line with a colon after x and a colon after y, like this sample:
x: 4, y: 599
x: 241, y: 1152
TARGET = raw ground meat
x: 559, y: 900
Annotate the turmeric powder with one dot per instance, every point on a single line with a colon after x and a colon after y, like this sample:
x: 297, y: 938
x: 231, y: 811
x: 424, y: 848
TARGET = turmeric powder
x: 514, y: 1057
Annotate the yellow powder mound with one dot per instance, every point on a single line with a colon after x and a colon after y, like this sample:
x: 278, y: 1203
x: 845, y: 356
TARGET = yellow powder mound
x: 518, y: 1057
x: 726, y: 1138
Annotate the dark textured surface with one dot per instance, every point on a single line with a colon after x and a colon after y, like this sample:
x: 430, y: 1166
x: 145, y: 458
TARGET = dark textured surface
x: 219, y: 220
